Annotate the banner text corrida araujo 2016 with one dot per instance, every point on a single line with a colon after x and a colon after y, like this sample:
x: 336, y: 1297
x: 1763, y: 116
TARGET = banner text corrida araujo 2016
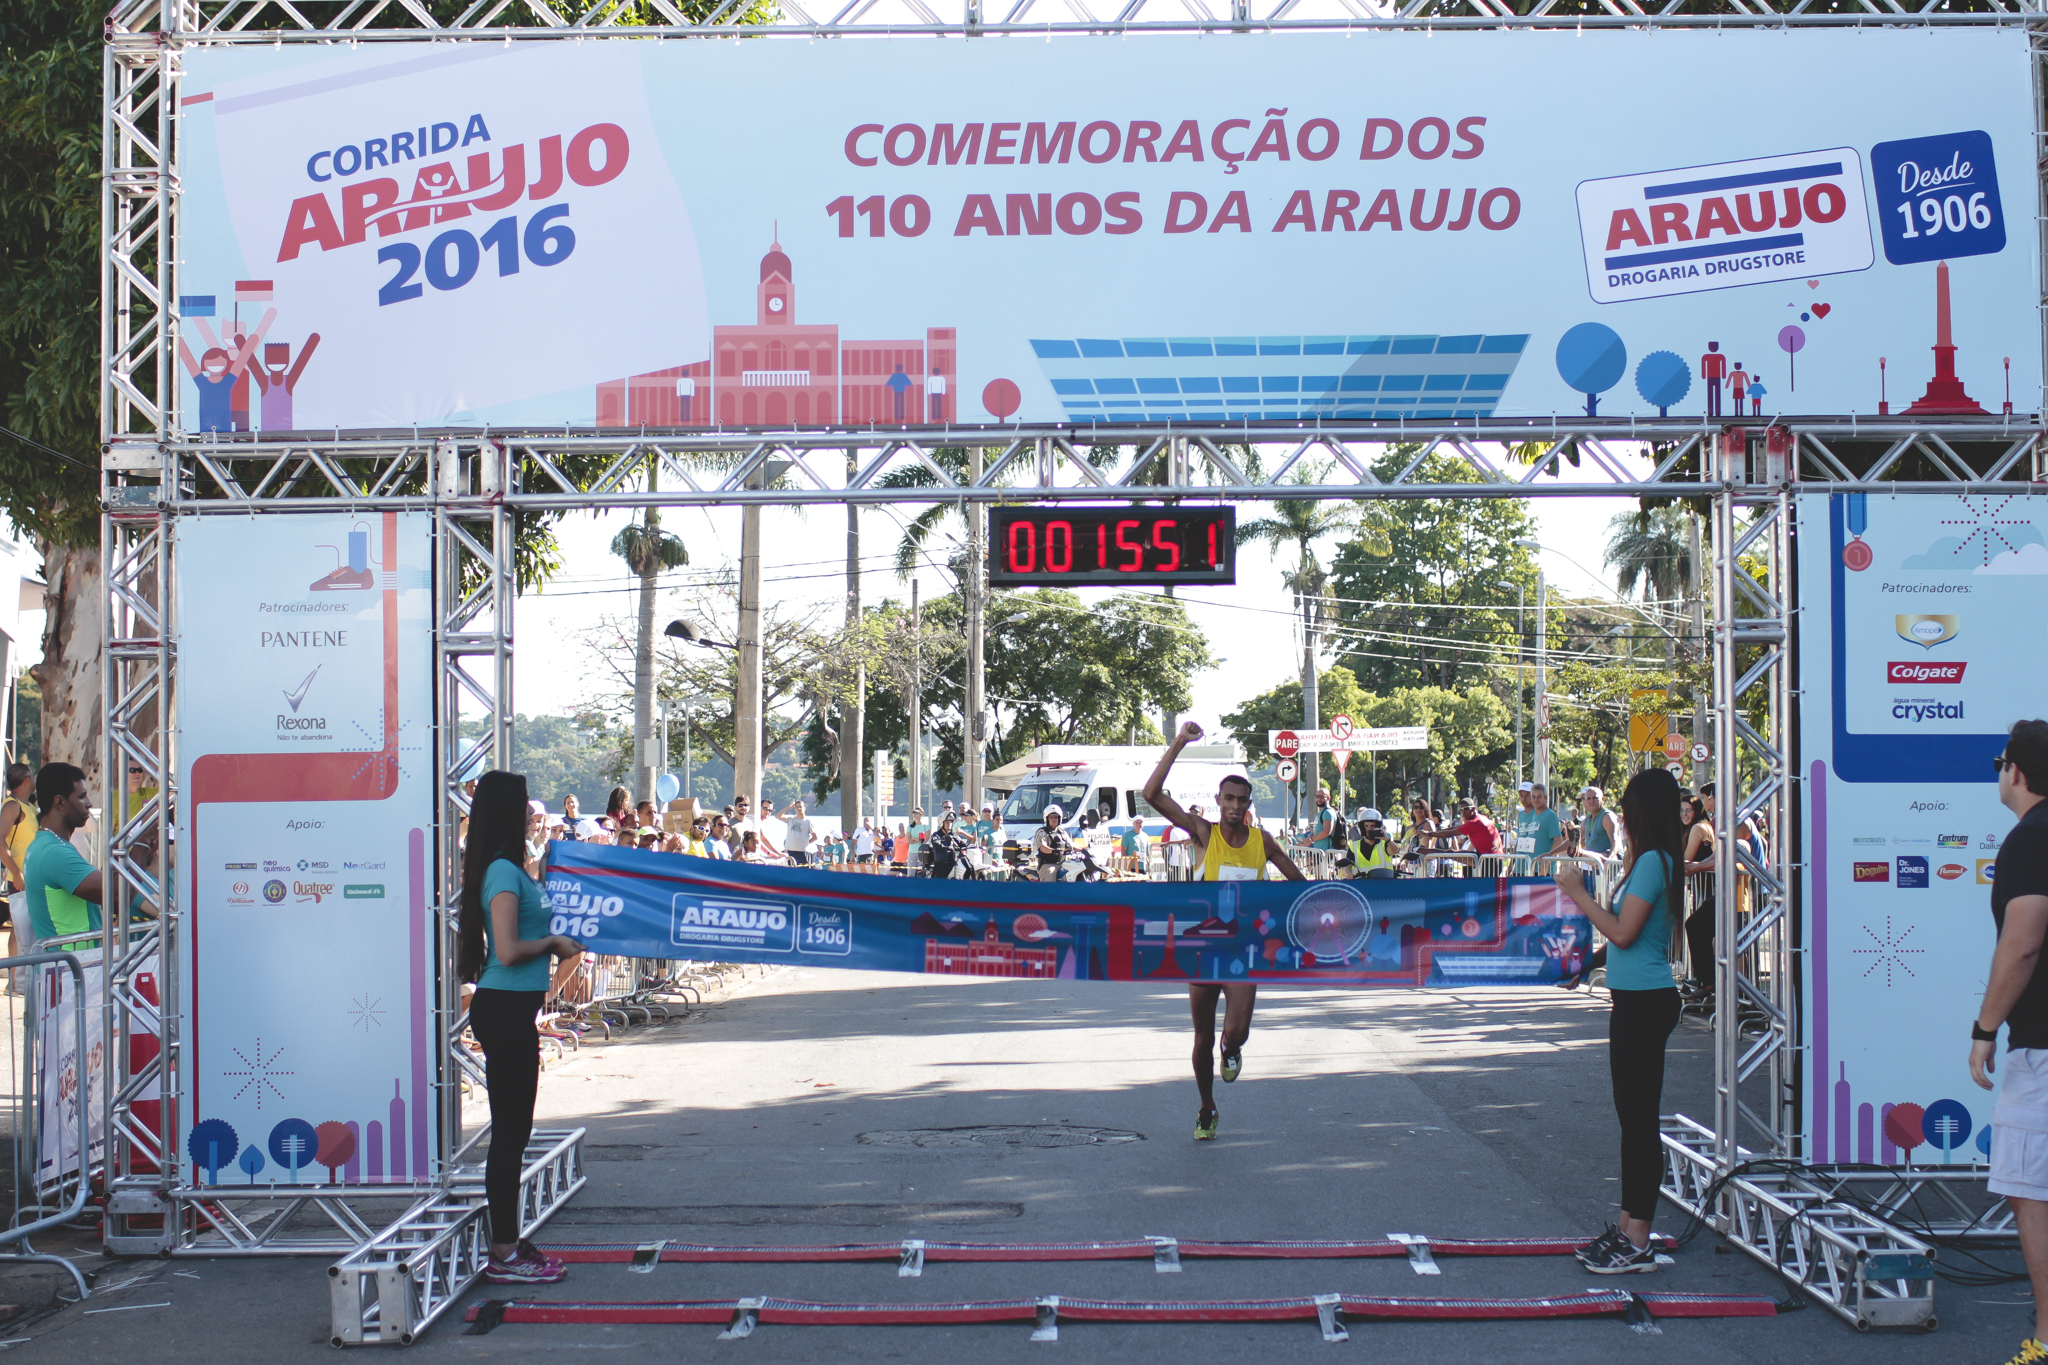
x: 1230, y: 228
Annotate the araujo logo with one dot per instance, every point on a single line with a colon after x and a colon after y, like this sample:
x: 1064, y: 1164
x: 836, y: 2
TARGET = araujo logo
x: 578, y: 913
x: 1924, y: 672
x: 701, y: 921
x: 1692, y: 228
x: 1925, y: 709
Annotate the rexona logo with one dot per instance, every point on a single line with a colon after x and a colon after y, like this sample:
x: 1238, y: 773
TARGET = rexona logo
x: 440, y: 193
x: 1873, y: 872
x: 1713, y: 227
x: 1924, y: 672
x: 1928, y: 631
x: 312, y: 891
x: 1948, y: 872
x: 1922, y: 709
x: 701, y: 921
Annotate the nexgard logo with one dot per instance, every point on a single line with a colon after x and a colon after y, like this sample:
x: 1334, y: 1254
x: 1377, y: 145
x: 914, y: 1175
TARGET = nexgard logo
x: 1691, y: 228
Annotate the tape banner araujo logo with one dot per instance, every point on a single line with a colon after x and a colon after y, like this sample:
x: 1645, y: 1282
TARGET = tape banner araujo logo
x: 731, y: 922
x: 1694, y: 228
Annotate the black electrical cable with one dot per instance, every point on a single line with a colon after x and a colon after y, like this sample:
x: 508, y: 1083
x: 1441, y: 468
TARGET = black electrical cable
x: 48, y: 450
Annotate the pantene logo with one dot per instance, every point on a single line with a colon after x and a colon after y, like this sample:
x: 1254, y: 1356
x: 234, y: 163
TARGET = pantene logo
x: 1928, y: 631
x: 1924, y: 673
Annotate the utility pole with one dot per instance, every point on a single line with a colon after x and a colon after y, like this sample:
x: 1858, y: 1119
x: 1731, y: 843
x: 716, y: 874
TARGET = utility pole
x: 1699, y: 640
x: 747, y: 718
x: 1521, y: 672
x: 973, y: 740
x: 916, y: 716
x: 644, y: 766
x: 1172, y: 718
x: 1542, y: 778
x: 852, y: 717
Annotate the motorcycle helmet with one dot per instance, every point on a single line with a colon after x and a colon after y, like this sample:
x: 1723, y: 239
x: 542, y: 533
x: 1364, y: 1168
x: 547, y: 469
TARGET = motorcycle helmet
x: 1054, y: 810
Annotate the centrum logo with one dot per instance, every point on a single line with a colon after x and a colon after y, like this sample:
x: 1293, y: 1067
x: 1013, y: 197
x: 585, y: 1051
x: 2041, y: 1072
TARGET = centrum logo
x: 1951, y: 841
x: 1872, y: 872
x: 1928, y: 631
x: 363, y: 891
x: 1925, y: 709
x: 1924, y: 672
x: 312, y: 891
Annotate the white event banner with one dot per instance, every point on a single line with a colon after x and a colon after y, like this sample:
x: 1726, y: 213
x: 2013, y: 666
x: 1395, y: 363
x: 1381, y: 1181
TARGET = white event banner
x: 1275, y: 227
x: 306, y: 844
x: 1382, y: 739
x: 1911, y: 671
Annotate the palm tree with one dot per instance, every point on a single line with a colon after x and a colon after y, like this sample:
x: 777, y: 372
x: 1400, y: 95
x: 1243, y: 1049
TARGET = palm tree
x: 1301, y: 522
x: 1651, y: 547
x: 648, y: 550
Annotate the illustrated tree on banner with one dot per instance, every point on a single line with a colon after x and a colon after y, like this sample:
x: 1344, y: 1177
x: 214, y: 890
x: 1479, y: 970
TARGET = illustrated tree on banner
x: 251, y: 1161
x: 337, y: 1148
x: 292, y: 1143
x: 212, y: 1144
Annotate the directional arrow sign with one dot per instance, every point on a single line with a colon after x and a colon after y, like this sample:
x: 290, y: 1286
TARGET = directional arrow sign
x: 1286, y: 770
x: 1286, y: 743
x: 1340, y: 728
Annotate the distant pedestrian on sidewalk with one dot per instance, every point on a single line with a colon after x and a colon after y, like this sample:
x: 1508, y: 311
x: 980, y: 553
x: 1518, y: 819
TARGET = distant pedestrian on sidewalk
x: 2017, y: 996
x: 1638, y: 930
x: 505, y: 946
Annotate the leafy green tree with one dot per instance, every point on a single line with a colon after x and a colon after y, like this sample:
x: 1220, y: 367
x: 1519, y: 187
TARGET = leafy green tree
x: 1281, y: 709
x: 1437, y: 607
x: 1467, y: 731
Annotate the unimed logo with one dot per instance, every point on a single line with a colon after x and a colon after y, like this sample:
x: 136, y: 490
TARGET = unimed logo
x: 1924, y: 672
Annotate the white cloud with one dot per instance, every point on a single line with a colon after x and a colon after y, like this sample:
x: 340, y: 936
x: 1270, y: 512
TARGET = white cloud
x: 2026, y: 559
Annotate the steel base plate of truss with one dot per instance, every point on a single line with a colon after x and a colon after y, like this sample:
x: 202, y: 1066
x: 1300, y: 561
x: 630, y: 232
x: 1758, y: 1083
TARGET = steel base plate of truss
x: 1793, y: 1220
x: 388, y: 1290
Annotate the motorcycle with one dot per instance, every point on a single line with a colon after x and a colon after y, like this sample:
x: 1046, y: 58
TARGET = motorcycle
x: 972, y: 865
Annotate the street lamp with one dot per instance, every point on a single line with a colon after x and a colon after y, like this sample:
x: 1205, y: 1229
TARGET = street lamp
x: 1542, y: 746
x: 690, y: 635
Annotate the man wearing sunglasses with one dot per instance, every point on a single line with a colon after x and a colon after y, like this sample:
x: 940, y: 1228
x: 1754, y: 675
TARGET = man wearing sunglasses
x: 2017, y: 997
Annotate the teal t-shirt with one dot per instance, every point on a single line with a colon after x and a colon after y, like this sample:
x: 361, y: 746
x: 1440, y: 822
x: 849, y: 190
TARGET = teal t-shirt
x: 1135, y: 842
x: 1645, y: 965
x: 506, y: 875
x: 1539, y: 828
x: 53, y: 870
x: 984, y: 831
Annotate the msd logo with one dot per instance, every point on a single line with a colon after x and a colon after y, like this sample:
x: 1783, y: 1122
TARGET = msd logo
x: 1924, y: 672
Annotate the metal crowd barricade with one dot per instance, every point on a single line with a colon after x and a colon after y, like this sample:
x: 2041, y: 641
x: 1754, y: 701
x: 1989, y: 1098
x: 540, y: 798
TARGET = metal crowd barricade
x: 25, y: 1057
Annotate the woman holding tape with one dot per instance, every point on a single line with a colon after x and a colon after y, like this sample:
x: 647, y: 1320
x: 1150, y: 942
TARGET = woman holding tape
x: 505, y: 946
x: 1638, y: 931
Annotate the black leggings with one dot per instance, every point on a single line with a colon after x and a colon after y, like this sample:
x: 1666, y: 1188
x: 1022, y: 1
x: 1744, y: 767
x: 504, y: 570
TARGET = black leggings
x: 1699, y: 943
x: 1637, y: 1029
x: 503, y: 1024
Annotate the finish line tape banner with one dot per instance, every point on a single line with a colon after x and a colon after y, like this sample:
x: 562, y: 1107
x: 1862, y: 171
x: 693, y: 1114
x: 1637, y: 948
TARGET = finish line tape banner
x: 1449, y: 932
x: 928, y: 231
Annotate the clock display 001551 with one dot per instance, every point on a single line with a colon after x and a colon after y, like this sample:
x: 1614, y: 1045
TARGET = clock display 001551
x: 1100, y: 546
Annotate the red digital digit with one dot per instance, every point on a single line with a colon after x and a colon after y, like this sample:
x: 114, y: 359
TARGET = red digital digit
x: 1213, y: 560
x: 1057, y: 532
x: 1172, y: 547
x: 1101, y: 544
x: 1130, y: 547
x: 1026, y: 561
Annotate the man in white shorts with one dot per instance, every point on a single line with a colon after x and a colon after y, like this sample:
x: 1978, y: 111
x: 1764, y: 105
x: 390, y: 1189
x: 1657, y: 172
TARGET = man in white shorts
x: 2017, y: 996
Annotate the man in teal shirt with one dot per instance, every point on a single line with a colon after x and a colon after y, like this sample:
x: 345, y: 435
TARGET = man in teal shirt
x: 1538, y: 831
x: 1322, y: 829
x: 1137, y: 845
x: 986, y: 829
x: 63, y: 890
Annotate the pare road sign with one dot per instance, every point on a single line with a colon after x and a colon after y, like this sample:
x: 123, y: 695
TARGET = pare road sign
x: 1287, y: 744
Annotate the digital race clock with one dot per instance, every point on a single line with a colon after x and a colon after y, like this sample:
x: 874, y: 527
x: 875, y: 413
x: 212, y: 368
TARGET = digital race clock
x: 1100, y: 546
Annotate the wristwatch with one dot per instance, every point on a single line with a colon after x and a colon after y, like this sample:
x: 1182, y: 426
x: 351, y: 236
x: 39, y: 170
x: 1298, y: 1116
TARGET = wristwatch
x: 1982, y: 1035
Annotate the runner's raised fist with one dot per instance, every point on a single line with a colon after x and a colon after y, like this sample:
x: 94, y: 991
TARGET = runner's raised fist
x: 1189, y: 732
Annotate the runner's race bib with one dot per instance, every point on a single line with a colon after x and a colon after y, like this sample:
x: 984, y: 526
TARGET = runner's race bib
x: 1230, y: 872
x: 1525, y: 843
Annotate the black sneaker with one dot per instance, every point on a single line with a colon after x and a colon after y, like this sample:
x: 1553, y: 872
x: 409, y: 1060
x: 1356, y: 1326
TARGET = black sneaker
x: 1624, y: 1258
x: 1599, y: 1246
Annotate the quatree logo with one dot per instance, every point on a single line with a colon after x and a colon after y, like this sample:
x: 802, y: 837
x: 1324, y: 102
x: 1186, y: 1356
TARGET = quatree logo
x: 1928, y: 631
x: 298, y: 694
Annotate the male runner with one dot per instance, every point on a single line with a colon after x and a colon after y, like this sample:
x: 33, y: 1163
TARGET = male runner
x: 1232, y: 850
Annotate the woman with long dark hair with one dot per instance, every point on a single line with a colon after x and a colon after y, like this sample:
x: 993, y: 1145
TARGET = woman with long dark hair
x: 1638, y: 931
x: 504, y: 948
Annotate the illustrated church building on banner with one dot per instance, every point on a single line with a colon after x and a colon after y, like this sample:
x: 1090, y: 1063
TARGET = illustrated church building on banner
x: 779, y: 372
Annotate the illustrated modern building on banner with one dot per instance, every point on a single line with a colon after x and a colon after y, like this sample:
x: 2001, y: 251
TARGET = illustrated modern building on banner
x: 780, y: 372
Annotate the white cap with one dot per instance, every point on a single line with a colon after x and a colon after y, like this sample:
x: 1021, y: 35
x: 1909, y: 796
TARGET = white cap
x: 1370, y: 814
x: 1525, y: 786
x: 1594, y: 791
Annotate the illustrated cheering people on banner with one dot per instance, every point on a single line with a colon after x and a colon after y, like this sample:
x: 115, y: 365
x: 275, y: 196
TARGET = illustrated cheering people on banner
x: 505, y: 946
x: 218, y: 370
x: 1232, y: 851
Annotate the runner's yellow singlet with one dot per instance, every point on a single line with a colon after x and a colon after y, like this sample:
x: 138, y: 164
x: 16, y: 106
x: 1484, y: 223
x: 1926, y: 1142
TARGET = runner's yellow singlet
x: 22, y: 835
x: 1217, y: 854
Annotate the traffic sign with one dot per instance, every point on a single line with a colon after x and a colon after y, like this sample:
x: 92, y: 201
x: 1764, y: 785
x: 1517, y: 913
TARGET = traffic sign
x: 1286, y: 770
x: 1699, y: 753
x: 1340, y: 729
x: 1381, y: 739
x: 1340, y: 757
x: 1675, y: 769
x: 1287, y: 744
x: 1674, y: 746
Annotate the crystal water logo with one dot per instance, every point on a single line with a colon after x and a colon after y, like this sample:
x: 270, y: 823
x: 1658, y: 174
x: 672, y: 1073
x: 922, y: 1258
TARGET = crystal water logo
x: 721, y: 922
x: 1924, y: 672
x: 1871, y: 872
x: 1912, y: 871
x: 1713, y: 227
x: 1922, y: 709
x: 1927, y: 631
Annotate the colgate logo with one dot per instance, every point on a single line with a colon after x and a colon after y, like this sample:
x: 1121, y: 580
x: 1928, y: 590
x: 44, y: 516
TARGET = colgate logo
x: 1924, y: 672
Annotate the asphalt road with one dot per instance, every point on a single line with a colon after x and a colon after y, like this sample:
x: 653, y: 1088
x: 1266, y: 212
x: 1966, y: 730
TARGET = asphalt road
x: 829, y: 1107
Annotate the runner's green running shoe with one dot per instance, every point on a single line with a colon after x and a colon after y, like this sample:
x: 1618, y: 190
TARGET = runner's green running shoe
x: 1233, y: 1063
x: 1205, y: 1125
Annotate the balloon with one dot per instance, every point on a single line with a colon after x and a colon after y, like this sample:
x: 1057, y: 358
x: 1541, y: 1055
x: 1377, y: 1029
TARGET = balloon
x: 667, y: 788
x: 1791, y: 340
